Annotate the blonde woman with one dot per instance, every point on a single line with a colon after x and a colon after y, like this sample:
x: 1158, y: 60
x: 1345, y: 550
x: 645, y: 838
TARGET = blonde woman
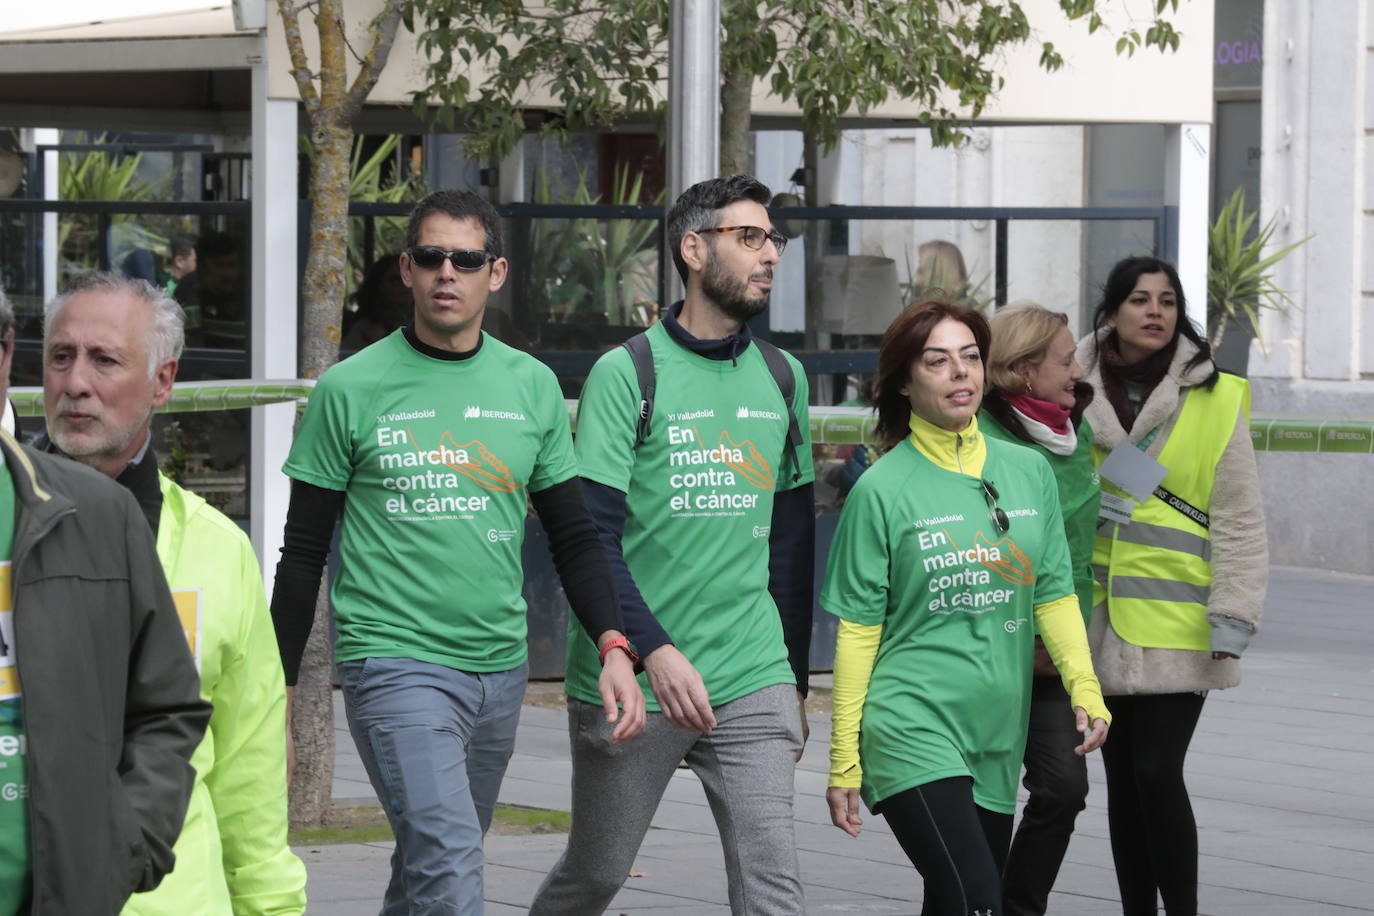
x: 1036, y: 398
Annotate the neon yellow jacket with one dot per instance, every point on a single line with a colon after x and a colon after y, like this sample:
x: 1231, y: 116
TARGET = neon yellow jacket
x: 232, y: 856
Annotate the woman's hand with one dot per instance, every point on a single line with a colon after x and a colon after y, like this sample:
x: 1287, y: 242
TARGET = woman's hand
x: 844, y: 809
x: 1093, y: 739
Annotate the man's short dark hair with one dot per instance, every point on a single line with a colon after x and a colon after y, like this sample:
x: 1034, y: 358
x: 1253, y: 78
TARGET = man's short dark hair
x: 699, y: 208
x: 181, y: 245
x: 457, y: 204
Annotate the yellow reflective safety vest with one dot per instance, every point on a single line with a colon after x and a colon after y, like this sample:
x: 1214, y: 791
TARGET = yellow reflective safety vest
x: 1155, y: 573
x: 232, y: 855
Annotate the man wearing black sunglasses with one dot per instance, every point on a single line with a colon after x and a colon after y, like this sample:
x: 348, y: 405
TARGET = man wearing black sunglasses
x: 432, y: 442
x: 709, y: 520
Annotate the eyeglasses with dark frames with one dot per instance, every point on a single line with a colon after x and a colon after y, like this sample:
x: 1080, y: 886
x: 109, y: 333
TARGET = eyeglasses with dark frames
x: 753, y: 236
x: 999, y: 518
x: 430, y: 257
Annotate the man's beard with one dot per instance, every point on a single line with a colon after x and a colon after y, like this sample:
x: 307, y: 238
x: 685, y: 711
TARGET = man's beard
x: 731, y: 295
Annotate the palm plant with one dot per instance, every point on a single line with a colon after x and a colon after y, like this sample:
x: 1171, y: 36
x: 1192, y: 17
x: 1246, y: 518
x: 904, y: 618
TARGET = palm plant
x: 1240, y: 280
x: 102, y: 176
x: 593, y: 270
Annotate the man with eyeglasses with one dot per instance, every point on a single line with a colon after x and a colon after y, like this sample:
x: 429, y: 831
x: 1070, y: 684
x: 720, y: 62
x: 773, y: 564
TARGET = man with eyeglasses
x: 709, y: 524
x: 432, y: 442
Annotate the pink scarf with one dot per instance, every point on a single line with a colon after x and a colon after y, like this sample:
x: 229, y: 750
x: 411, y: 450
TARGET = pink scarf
x: 1047, y: 412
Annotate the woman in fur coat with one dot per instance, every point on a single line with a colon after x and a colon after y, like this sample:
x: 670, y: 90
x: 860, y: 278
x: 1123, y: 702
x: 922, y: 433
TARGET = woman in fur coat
x: 1180, y: 565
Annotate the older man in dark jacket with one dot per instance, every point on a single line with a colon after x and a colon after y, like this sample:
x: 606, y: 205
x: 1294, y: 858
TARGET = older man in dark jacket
x: 101, y: 703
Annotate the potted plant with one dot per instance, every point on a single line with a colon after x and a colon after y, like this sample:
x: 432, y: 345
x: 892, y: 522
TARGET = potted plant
x: 1240, y: 278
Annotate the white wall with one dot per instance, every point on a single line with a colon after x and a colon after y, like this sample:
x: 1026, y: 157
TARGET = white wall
x: 1316, y: 175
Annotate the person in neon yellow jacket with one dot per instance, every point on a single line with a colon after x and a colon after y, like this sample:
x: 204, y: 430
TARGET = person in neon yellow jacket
x: 110, y: 354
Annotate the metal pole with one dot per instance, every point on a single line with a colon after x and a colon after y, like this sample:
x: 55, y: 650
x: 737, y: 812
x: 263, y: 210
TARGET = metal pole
x: 693, y: 94
x: 693, y: 100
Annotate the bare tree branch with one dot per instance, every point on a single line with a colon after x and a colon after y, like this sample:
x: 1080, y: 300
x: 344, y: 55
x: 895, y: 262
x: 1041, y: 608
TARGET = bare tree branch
x: 383, y: 29
x: 300, y: 64
x: 333, y: 64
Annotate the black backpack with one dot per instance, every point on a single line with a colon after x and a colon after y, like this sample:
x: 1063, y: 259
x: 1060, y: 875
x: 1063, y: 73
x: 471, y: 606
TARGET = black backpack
x: 642, y: 355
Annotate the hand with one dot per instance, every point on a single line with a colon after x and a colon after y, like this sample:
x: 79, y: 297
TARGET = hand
x: 621, y: 696
x: 1092, y: 740
x: 806, y: 726
x: 844, y: 809
x: 290, y: 741
x: 680, y: 692
x: 1218, y: 656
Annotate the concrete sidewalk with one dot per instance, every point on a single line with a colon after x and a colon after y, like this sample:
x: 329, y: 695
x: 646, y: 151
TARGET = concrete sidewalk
x: 1281, y: 773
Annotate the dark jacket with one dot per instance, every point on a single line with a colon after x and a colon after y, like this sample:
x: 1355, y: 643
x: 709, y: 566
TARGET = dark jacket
x: 112, y: 705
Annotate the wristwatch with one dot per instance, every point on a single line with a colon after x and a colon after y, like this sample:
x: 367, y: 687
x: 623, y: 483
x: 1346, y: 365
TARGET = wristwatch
x: 621, y: 643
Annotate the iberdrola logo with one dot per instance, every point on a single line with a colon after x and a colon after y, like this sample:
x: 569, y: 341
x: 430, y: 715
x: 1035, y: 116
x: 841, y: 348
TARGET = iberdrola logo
x: 471, y: 412
x: 742, y: 413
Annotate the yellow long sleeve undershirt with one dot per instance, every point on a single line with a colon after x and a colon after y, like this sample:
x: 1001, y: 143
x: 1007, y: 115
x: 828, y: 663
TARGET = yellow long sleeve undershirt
x: 856, y: 645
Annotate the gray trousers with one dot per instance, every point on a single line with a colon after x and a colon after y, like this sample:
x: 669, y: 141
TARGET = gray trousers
x: 745, y: 765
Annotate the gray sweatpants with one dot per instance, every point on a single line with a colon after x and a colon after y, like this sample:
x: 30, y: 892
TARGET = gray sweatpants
x: 745, y: 765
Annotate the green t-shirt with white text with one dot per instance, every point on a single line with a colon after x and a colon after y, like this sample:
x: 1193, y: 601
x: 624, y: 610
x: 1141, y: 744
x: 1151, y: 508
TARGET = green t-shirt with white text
x: 16, y: 876
x: 917, y: 551
x: 436, y: 458
x: 699, y: 500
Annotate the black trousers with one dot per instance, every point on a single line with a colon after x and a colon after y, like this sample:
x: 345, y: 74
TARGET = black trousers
x: 958, y: 847
x: 1057, y: 780
x: 1154, y: 835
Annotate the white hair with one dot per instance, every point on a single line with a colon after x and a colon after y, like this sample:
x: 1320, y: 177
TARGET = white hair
x: 168, y: 335
x: 6, y: 314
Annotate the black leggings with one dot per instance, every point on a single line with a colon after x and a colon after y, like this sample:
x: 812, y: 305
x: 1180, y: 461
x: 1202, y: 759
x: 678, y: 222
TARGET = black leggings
x: 1154, y: 836
x: 958, y: 847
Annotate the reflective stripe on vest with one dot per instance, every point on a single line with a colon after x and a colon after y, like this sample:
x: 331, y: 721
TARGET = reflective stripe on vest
x: 1156, y: 573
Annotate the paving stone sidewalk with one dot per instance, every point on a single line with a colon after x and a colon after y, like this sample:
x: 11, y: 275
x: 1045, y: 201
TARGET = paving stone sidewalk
x: 1281, y: 774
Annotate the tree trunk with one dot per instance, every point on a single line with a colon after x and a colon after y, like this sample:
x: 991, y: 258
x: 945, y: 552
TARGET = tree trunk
x: 736, y: 106
x: 1217, y: 335
x: 312, y: 726
x: 326, y: 265
x: 312, y: 707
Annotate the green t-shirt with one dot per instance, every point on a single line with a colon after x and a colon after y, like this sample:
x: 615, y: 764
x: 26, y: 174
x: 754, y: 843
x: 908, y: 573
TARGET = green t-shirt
x: 16, y: 877
x: 435, y: 457
x: 917, y: 551
x: 699, y: 501
x: 1080, y: 491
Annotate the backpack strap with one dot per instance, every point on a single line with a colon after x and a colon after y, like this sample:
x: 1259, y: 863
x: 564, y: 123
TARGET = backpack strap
x: 642, y: 355
x: 787, y: 384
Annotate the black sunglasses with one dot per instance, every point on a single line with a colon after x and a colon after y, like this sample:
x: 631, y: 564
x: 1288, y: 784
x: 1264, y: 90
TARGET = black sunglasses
x: 754, y: 236
x: 999, y: 518
x: 430, y: 257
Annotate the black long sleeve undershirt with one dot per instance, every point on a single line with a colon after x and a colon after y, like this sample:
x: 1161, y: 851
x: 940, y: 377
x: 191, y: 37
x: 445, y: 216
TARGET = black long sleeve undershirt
x: 310, y: 518
x: 791, y: 574
x: 577, y: 555
x: 608, y: 510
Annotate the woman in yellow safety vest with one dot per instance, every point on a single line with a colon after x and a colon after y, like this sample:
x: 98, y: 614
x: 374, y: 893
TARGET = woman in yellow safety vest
x: 1180, y: 563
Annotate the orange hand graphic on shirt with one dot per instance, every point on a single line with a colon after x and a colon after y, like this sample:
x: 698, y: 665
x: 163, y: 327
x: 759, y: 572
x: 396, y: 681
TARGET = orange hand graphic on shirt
x: 754, y: 468
x: 483, y: 467
x: 1014, y: 567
